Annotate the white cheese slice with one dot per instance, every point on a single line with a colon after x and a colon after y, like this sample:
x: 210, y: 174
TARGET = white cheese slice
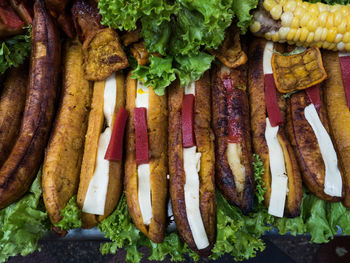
x: 95, y: 198
x: 344, y: 54
x: 268, y: 52
x: 142, y: 95
x: 194, y: 217
x: 333, y: 179
x: 144, y: 192
x: 143, y: 170
x: 234, y: 157
x: 278, y: 171
x: 190, y: 88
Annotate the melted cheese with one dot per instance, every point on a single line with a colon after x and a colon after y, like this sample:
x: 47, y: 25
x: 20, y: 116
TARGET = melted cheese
x: 278, y: 171
x: 234, y: 157
x: 143, y: 170
x: 268, y: 52
x: 96, y: 194
x: 333, y: 179
x: 192, y: 166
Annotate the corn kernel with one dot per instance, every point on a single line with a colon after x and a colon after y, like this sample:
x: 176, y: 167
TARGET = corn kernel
x: 345, y: 10
x: 289, y: 6
x: 319, y: 44
x: 334, y: 8
x: 324, y: 34
x: 276, y: 12
x: 269, y: 4
x: 310, y: 37
x: 312, y: 25
x: 286, y: 19
x: 268, y: 36
x: 283, y: 32
x: 291, y: 34
x: 341, y: 46
x: 347, y: 46
x: 255, y: 27
x: 346, y: 37
x: 299, y: 12
x: 348, y: 24
x: 297, y: 35
x: 295, y: 23
x: 330, y: 20
x: 325, y: 45
x: 290, y: 43
x: 318, y: 34
x: 275, y: 37
x: 322, y: 7
x: 313, y: 10
x: 303, y: 34
x: 322, y: 19
x: 299, y: 44
x: 331, y: 34
x: 332, y: 46
x: 342, y: 27
x: 305, y: 20
x: 338, y: 38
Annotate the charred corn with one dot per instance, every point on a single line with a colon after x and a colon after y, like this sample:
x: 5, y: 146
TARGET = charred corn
x: 303, y: 24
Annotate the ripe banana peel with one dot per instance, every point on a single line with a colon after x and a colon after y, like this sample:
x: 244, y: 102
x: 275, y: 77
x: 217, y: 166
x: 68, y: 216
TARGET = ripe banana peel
x: 18, y: 171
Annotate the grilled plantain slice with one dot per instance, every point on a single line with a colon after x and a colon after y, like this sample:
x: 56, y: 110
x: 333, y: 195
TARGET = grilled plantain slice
x: 305, y: 145
x: 11, y: 109
x: 234, y: 172
x: 338, y: 115
x: 157, y: 140
x: 258, y: 125
x: 95, y: 128
x: 65, y: 149
x: 204, y: 138
x: 21, y: 166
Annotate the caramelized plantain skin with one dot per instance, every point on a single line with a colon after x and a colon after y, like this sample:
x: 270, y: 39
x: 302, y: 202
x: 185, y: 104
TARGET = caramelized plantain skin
x: 157, y: 117
x: 12, y: 102
x: 205, y: 143
x: 95, y: 128
x: 17, y: 173
x: 224, y: 176
x: 338, y: 115
x: 258, y: 124
x: 305, y: 145
x: 65, y: 149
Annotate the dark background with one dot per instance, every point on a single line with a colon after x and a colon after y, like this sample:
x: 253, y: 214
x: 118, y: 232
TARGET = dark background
x: 282, y: 249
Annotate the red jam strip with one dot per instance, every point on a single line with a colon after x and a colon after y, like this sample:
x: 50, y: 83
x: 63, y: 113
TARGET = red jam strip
x: 115, y: 147
x: 272, y: 107
x: 313, y: 94
x: 187, y: 115
x: 345, y: 68
x: 141, y: 135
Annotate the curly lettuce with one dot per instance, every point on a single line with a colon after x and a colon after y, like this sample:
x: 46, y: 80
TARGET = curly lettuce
x: 181, y: 31
x: 71, y: 215
x: 14, y: 50
x: 23, y: 223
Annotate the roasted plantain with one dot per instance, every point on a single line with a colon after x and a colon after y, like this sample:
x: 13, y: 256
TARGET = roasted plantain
x: 306, y: 148
x: 11, y: 109
x: 204, y: 138
x: 158, y: 162
x: 21, y: 166
x: 65, y: 149
x: 258, y: 116
x: 234, y: 172
x: 338, y: 115
x: 95, y: 128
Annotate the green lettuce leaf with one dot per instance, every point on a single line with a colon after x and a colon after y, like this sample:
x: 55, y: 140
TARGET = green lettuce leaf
x: 119, y: 228
x: 158, y: 74
x: 23, y: 223
x: 339, y: 215
x: 71, y: 215
x: 242, y: 11
x: 331, y: 2
x: 14, y: 50
x: 191, y: 68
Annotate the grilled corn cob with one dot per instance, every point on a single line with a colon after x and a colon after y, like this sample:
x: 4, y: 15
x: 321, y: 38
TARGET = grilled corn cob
x: 303, y: 23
